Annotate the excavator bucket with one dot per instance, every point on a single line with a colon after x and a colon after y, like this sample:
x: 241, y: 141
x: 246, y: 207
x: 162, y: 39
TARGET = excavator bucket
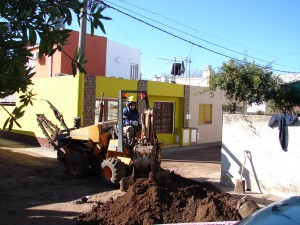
x: 146, y: 163
x: 142, y: 161
x: 141, y: 166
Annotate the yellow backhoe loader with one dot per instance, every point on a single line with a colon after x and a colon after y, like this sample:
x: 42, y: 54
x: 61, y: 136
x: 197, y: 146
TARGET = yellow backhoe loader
x: 102, y: 145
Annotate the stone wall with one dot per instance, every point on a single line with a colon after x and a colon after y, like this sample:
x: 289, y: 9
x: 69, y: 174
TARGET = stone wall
x: 89, y: 100
x: 186, y: 105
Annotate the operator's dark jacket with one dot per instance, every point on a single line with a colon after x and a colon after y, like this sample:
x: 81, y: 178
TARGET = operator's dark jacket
x: 129, y: 116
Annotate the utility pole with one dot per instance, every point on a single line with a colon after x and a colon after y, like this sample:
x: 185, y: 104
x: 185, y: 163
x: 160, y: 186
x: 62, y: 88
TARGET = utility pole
x: 82, y: 32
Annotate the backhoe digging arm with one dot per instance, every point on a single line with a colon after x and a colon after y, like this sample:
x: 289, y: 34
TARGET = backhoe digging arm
x: 49, y: 129
x: 58, y: 115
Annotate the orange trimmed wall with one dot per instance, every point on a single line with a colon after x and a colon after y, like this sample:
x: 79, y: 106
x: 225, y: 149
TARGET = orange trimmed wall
x: 96, y: 48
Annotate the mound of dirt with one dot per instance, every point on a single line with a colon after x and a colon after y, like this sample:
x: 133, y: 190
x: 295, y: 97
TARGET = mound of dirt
x: 177, y: 200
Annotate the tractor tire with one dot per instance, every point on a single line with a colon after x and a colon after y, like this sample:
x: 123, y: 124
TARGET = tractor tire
x: 113, y: 170
x: 61, y: 157
x: 77, y: 165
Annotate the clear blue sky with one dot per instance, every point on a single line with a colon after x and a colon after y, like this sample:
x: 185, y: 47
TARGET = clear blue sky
x: 267, y: 30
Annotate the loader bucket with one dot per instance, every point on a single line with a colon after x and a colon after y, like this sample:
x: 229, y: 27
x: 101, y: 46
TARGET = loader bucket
x: 146, y: 163
x: 142, y: 161
x: 142, y: 165
x: 145, y: 160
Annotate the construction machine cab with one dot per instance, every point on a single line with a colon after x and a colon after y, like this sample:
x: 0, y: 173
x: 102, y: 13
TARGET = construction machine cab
x: 123, y: 96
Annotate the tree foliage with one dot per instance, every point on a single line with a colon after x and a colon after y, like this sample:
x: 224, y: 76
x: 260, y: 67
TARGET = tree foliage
x: 22, y: 24
x: 245, y: 83
x: 287, y: 98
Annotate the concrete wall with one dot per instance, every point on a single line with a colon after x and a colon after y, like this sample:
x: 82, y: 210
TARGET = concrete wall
x: 270, y: 170
x: 193, y: 81
x: 207, y: 133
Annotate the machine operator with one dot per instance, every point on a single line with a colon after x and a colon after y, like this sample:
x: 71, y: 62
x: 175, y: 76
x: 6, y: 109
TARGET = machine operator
x: 130, y: 120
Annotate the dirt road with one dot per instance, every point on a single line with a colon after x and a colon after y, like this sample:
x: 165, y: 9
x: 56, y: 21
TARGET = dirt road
x: 200, y: 163
x: 36, y: 189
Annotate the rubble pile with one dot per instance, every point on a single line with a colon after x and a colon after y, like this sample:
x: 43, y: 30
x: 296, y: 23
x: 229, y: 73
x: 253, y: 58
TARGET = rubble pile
x: 177, y: 200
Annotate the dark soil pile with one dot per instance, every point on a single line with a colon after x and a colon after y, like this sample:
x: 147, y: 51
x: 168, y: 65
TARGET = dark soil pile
x: 179, y: 200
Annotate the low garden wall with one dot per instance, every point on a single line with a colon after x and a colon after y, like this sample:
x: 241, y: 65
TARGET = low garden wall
x: 268, y: 168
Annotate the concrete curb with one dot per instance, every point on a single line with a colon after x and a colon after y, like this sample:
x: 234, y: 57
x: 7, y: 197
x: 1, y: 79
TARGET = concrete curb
x: 191, y: 147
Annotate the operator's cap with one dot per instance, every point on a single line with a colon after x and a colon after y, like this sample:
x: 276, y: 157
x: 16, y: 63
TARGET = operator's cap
x: 131, y: 99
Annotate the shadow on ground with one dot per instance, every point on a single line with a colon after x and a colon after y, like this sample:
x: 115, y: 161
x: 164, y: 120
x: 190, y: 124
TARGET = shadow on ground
x: 38, y: 190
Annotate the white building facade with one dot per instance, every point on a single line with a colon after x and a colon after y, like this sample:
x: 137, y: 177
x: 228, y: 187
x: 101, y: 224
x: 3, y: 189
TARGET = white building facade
x: 122, y: 61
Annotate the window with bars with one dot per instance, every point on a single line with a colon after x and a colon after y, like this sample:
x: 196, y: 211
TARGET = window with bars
x: 205, y: 114
x: 164, y: 117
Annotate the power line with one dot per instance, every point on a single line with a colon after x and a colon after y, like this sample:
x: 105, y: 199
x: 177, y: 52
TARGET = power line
x: 190, y: 42
x: 149, y: 11
x: 177, y: 30
x: 146, y: 10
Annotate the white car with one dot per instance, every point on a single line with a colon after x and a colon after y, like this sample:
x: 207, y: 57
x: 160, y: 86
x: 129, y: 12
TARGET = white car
x: 285, y: 212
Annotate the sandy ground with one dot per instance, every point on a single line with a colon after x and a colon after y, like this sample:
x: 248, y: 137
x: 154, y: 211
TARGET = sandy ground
x: 36, y: 189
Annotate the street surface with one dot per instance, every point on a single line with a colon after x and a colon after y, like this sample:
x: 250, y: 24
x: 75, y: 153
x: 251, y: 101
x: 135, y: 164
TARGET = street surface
x: 36, y: 188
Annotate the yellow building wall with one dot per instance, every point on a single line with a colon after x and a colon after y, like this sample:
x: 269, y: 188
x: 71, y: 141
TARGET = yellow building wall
x: 4, y: 115
x: 168, y: 92
x: 165, y: 89
x: 157, y: 91
x: 62, y: 92
x: 178, y: 116
x: 66, y: 94
x: 111, y: 86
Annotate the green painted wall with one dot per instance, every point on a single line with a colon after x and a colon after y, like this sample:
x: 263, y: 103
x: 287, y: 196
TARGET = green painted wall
x: 66, y: 94
x: 4, y: 115
x: 168, y: 92
x: 79, y: 92
x: 62, y: 92
x: 111, y: 86
x: 165, y: 89
x: 157, y: 91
